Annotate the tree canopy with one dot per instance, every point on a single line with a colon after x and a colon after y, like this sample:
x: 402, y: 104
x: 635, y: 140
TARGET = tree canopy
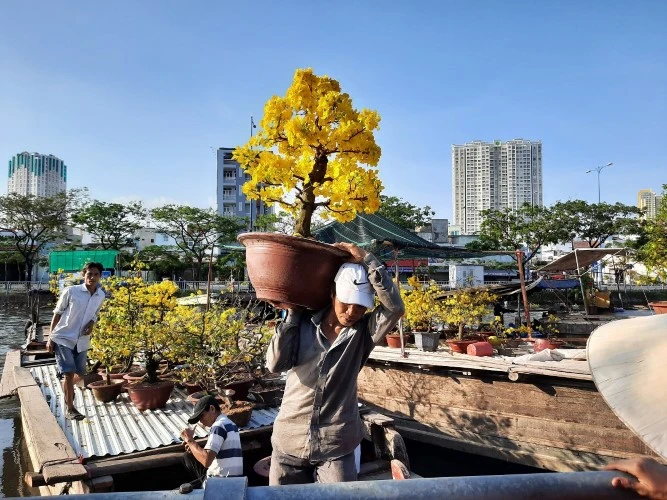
x: 403, y: 213
x: 654, y: 253
x: 310, y: 153
x: 528, y: 227
x: 113, y: 224
x: 594, y: 223
x: 196, y: 230
x: 34, y: 221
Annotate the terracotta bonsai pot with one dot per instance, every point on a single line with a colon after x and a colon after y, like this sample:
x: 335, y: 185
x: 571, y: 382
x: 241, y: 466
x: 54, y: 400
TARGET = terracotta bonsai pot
x: 135, y: 376
x: 106, y: 393
x: 147, y: 396
x: 192, y: 388
x: 240, y: 388
x: 271, y: 396
x: 240, y: 413
x: 291, y: 270
x: 394, y: 340
x: 460, y: 346
x: 659, y: 307
x: 196, y: 396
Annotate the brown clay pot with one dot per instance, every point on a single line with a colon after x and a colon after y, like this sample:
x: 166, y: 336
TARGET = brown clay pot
x: 106, y: 393
x: 460, y: 346
x: 659, y: 307
x: 271, y: 396
x: 147, y: 396
x: 135, y: 376
x: 192, y: 388
x: 394, y: 341
x: 84, y: 381
x: 542, y: 344
x: 196, y: 396
x: 240, y: 388
x: 240, y: 413
x: 291, y: 270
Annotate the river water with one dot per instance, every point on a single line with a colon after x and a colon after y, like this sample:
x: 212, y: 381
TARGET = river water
x: 14, y: 453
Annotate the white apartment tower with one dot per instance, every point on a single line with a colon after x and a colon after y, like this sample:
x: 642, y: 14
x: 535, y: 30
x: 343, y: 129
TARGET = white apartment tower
x: 36, y: 174
x: 494, y: 175
x: 650, y: 202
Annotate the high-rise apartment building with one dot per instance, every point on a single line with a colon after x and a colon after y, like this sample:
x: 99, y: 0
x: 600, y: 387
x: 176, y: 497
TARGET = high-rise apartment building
x: 650, y: 202
x: 494, y: 175
x: 36, y: 174
x: 230, y: 198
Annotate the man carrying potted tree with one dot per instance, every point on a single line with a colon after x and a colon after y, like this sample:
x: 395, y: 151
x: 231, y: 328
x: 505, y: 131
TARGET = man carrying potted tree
x: 318, y: 427
x: 71, y: 326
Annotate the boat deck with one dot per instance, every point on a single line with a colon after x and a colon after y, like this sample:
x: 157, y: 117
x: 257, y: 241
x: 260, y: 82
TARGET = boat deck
x: 510, y: 365
x: 118, y: 428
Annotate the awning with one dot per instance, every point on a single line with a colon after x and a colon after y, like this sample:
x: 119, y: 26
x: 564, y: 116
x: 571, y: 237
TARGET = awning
x: 581, y: 257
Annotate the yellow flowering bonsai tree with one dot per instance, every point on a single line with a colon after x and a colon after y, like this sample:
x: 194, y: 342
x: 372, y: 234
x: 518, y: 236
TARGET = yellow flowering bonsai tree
x: 422, y: 310
x: 466, y: 307
x: 313, y: 151
x: 134, y: 317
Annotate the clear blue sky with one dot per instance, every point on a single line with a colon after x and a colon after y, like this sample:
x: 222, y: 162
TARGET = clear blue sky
x: 132, y: 95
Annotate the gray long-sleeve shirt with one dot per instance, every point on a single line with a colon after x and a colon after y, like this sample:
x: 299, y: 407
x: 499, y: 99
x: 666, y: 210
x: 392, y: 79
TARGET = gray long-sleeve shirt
x: 319, y: 416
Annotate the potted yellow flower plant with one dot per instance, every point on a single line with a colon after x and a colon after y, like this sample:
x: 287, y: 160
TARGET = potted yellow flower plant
x: 466, y: 307
x: 423, y: 312
x: 135, y: 315
x: 313, y: 152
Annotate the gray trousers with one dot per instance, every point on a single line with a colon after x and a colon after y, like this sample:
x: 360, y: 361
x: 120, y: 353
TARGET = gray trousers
x: 286, y: 469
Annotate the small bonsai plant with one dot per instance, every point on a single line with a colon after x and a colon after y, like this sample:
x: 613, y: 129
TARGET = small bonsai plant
x: 311, y: 148
x: 136, y: 314
x: 422, y: 311
x: 466, y: 307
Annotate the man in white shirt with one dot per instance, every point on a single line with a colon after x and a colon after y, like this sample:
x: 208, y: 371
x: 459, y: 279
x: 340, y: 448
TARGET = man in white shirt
x: 71, y: 326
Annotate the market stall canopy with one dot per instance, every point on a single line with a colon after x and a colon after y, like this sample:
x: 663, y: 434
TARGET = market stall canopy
x: 382, y: 236
x: 581, y: 257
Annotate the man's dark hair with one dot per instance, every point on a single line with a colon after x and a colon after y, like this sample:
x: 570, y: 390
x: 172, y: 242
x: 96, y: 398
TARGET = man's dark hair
x: 95, y: 265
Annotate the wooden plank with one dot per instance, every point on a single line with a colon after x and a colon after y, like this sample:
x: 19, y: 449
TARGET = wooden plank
x: 44, y: 436
x: 565, y: 369
x: 378, y: 419
x: 481, y: 410
x: 7, y: 385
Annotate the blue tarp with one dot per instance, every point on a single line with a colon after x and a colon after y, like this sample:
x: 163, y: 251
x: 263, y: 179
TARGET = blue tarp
x: 558, y: 284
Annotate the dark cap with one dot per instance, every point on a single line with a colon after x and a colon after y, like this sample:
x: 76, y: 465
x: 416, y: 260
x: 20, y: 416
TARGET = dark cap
x: 202, y: 405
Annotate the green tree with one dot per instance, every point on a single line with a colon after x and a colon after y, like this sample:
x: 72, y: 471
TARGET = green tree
x: 113, y: 224
x: 528, y: 227
x: 404, y: 214
x: 594, y: 222
x: 231, y: 264
x: 34, y: 221
x: 163, y: 261
x: 196, y: 230
x: 654, y: 253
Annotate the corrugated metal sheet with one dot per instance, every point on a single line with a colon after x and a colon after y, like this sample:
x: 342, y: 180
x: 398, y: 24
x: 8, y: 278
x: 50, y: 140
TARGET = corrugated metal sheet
x: 117, y: 428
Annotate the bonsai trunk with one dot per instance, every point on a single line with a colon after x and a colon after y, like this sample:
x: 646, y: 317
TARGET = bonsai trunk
x: 151, y: 369
x: 305, y: 215
x: 461, y: 325
x: 108, y: 368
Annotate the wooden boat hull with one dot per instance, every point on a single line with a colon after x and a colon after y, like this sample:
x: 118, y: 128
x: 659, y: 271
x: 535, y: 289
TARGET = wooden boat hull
x: 560, y: 425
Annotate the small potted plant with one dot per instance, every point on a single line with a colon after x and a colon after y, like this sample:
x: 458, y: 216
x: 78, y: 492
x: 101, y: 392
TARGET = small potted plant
x: 107, y: 346
x: 423, y: 312
x: 550, y: 329
x: 313, y: 152
x: 466, y: 307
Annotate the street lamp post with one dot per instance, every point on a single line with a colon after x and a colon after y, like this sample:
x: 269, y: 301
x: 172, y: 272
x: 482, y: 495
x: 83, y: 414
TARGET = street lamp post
x: 598, y: 170
x: 252, y: 126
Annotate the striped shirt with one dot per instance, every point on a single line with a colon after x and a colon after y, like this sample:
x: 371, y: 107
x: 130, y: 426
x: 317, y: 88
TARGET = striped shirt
x: 225, y: 441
